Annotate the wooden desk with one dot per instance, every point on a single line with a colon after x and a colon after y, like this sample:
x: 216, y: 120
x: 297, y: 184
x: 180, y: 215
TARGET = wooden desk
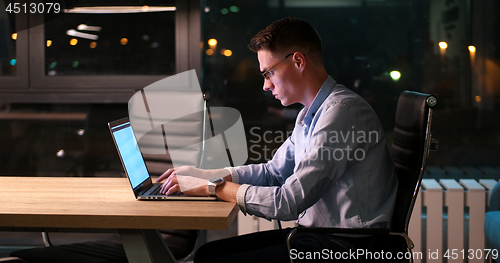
x: 45, y: 203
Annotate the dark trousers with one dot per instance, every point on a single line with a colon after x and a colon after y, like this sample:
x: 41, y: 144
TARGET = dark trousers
x: 270, y: 246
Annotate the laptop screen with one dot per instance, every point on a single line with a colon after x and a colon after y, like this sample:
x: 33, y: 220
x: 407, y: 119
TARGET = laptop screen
x: 130, y: 154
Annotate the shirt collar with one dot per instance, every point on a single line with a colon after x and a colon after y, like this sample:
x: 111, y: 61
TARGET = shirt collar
x: 322, y: 94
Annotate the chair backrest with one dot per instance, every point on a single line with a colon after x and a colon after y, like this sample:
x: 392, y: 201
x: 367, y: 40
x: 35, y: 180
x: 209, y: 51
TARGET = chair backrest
x: 410, y: 149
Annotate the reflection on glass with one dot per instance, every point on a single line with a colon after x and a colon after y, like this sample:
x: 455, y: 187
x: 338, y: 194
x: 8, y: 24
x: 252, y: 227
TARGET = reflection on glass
x: 8, y: 61
x: 96, y: 38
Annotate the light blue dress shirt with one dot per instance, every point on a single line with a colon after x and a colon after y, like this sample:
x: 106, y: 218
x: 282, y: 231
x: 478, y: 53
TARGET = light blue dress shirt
x: 335, y: 169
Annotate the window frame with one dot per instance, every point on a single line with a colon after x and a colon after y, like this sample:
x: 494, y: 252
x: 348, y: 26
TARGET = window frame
x: 21, y: 79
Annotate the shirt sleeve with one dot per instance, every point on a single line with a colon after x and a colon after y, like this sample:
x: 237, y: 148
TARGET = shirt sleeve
x: 240, y: 197
x: 242, y: 190
x: 235, y: 178
x: 272, y: 173
x: 325, y: 160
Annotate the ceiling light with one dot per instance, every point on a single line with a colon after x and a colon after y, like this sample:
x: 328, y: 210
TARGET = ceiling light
x: 118, y: 9
x: 75, y: 33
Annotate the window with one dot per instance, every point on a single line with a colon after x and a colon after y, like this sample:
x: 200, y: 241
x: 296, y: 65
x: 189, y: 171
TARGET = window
x: 55, y: 105
x: 100, y: 51
x: 378, y: 48
x: 8, y: 62
x: 13, y: 51
x: 128, y: 39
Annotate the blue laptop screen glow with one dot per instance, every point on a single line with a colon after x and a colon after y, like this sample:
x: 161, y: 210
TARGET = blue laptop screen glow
x: 131, y: 156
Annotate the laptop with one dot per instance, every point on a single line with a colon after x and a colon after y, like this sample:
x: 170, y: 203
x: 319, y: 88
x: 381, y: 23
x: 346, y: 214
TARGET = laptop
x: 135, y: 167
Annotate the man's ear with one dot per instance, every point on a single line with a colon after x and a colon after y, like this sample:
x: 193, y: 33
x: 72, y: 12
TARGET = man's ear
x: 299, y: 60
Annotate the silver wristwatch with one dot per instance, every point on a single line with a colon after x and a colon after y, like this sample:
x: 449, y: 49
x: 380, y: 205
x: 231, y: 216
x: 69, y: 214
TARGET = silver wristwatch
x: 213, y: 183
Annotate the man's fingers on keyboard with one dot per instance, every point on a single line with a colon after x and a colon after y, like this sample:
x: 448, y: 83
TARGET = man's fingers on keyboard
x: 173, y: 189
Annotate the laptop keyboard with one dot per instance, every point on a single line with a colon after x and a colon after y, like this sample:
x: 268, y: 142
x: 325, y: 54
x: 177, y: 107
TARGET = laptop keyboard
x: 157, y: 192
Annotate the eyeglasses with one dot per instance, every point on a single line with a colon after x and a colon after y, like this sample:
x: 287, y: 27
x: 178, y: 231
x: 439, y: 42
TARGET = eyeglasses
x: 265, y: 74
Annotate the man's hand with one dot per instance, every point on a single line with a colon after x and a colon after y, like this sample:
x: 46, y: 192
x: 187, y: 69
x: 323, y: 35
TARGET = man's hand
x: 194, y: 181
x: 184, y: 179
x: 183, y: 170
x: 171, y: 185
x: 196, y: 172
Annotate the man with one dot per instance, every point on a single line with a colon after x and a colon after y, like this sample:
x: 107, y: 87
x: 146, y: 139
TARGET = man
x: 333, y: 171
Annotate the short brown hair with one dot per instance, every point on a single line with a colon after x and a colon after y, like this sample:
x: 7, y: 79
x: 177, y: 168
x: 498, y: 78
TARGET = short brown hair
x: 287, y: 34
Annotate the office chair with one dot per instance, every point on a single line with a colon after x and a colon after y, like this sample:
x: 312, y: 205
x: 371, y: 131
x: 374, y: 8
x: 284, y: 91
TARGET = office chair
x: 410, y: 149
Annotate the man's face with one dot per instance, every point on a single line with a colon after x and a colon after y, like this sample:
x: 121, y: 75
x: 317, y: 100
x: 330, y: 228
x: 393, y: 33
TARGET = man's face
x: 282, y: 80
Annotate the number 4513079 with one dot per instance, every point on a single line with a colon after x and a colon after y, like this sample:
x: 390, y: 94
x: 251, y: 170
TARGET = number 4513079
x: 33, y: 8
x: 471, y: 253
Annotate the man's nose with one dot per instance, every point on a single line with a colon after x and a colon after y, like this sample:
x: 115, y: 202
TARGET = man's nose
x: 268, y: 85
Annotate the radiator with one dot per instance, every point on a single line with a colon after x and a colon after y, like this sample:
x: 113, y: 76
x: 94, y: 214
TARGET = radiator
x: 447, y: 222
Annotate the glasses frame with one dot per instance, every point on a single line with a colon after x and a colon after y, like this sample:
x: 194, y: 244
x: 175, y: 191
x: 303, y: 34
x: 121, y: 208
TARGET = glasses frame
x: 266, y: 72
